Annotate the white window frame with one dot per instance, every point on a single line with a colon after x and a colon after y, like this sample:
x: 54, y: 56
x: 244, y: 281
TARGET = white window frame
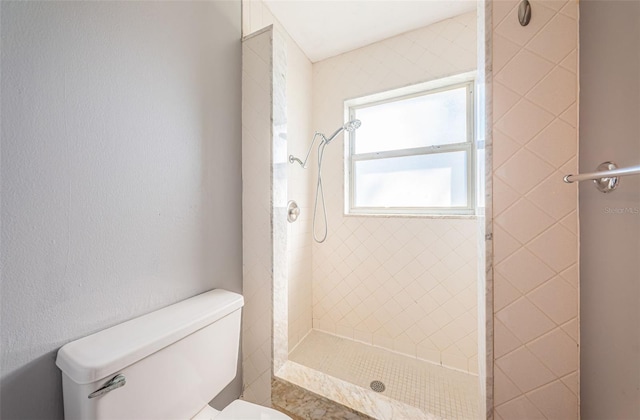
x: 463, y: 80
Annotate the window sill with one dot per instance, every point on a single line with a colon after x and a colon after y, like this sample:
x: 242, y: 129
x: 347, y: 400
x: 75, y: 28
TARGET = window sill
x: 415, y: 216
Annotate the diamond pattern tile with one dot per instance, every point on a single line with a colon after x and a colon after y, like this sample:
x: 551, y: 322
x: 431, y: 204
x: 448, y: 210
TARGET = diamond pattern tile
x: 571, y: 62
x: 525, y: 320
x: 570, y: 116
x: 570, y: 222
x: 554, y: 144
x: 564, y: 252
x: 505, y: 245
x: 558, y: 350
x: 504, y: 293
x: 519, y: 408
x: 569, y: 10
x: 524, y: 370
x: 524, y: 221
x: 556, y: 91
x: 553, y: 298
x: 503, y: 52
x: 503, y: 196
x: 420, y: 286
x: 571, y: 382
x: 510, y: 27
x: 405, y: 284
x: 525, y: 270
x: 513, y: 175
x: 504, y: 339
x: 572, y: 276
x: 500, y: 12
x: 536, y: 319
x: 505, y: 99
x: 552, y: 192
x: 555, y: 401
x: 523, y: 72
x: 557, y: 40
x: 524, y: 121
x: 505, y: 390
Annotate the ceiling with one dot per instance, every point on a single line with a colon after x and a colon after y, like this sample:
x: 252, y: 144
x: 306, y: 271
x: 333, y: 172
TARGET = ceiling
x: 324, y: 28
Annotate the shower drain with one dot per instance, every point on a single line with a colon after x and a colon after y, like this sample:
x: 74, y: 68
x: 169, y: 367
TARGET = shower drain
x: 377, y: 386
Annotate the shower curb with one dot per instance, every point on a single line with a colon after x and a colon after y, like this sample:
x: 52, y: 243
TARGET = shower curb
x: 302, y: 404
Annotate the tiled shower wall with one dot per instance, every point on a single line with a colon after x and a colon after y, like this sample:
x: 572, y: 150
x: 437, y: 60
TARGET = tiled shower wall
x: 299, y: 73
x: 536, y: 282
x: 402, y: 283
x: 256, y: 16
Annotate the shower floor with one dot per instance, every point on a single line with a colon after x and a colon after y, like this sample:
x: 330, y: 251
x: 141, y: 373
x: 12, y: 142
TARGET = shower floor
x: 436, y: 390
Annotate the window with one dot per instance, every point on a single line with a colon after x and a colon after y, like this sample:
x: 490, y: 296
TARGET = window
x: 413, y: 153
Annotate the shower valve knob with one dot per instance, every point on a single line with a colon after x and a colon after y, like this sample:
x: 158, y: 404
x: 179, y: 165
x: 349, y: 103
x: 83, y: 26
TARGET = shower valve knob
x: 293, y: 211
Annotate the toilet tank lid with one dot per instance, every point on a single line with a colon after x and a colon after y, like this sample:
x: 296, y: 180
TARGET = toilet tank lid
x: 104, y: 353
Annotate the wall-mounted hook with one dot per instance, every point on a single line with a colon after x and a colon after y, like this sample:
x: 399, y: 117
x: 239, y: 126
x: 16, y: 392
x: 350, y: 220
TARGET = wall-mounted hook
x: 524, y: 12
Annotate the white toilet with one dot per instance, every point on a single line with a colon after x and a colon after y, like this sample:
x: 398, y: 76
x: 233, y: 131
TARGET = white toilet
x: 164, y: 365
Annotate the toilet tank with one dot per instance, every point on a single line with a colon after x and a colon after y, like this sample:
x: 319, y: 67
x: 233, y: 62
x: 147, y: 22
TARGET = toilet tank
x: 174, y: 361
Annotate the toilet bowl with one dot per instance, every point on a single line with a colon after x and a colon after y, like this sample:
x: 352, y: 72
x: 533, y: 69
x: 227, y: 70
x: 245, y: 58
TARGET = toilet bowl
x: 167, y: 364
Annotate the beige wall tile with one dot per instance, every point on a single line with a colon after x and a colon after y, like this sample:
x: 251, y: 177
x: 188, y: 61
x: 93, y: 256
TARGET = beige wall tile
x: 536, y: 346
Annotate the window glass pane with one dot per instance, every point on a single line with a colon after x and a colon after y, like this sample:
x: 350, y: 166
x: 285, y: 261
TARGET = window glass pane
x: 433, y: 180
x: 428, y: 120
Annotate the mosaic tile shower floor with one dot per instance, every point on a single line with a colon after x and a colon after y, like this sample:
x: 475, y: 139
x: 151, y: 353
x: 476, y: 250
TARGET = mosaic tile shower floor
x: 443, y: 392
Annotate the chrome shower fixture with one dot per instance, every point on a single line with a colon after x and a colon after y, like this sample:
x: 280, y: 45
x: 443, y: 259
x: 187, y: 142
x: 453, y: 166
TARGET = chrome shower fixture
x: 348, y: 126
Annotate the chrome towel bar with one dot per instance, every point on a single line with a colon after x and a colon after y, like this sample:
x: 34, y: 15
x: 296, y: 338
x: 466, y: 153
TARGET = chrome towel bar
x: 607, y: 176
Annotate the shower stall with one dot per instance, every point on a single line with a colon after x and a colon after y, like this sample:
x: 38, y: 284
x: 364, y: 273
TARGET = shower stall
x: 375, y: 315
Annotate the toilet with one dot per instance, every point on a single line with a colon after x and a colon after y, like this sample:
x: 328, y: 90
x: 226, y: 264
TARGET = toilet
x: 167, y: 364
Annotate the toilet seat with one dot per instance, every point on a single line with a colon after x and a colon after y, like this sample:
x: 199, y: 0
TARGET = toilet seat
x: 240, y: 410
x: 207, y: 413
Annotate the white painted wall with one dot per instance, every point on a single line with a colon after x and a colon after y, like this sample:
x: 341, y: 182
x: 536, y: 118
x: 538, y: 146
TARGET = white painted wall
x: 120, y: 173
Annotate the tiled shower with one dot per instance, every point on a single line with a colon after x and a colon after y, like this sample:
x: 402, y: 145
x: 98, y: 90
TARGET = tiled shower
x: 528, y: 113
x: 399, y: 291
x: 407, y: 284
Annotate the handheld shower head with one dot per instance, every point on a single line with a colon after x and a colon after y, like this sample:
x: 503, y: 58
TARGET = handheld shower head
x: 348, y: 126
x: 352, y: 125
